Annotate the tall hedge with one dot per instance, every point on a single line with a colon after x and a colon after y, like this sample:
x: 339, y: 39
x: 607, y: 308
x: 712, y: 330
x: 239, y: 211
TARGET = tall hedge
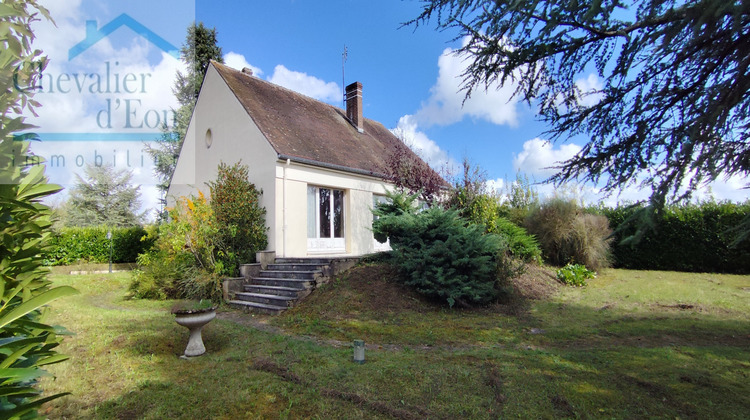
x: 695, y: 238
x: 90, y: 244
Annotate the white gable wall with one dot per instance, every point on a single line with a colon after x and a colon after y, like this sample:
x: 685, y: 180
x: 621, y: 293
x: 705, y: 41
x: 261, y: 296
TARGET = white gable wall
x: 235, y: 137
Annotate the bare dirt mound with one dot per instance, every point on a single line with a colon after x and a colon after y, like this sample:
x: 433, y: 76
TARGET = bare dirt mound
x: 536, y: 283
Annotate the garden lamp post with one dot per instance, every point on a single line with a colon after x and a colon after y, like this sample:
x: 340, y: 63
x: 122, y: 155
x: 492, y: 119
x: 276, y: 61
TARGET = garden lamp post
x: 109, y: 236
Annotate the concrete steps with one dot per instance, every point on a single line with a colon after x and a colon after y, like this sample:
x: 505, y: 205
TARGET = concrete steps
x: 281, y: 284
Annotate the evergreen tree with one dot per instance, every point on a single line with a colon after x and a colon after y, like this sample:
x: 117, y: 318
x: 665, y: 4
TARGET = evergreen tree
x: 673, y: 109
x: 199, y: 49
x: 105, y: 197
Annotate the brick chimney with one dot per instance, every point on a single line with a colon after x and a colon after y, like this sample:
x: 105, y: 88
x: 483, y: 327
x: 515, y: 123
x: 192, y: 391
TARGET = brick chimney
x: 354, y: 106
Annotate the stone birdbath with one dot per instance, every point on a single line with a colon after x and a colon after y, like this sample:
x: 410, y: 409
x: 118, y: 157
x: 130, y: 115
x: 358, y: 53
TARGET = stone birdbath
x: 193, y: 316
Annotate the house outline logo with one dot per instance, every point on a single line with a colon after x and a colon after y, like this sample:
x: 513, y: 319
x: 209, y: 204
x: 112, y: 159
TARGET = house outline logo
x: 94, y: 35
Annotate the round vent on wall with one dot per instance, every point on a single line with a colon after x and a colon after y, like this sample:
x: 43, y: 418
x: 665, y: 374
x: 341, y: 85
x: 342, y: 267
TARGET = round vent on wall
x: 209, y: 138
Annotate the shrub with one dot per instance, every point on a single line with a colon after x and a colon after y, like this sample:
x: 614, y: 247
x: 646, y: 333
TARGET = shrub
x: 520, y: 199
x: 472, y: 199
x: 410, y: 173
x: 521, y: 245
x: 204, y: 242
x: 184, y: 255
x: 240, y: 218
x: 442, y: 257
x: 158, y: 271
x: 575, y: 274
x: 396, y: 204
x: 567, y: 234
x: 27, y: 343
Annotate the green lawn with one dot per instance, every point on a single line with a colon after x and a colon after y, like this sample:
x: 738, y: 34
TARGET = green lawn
x: 630, y: 345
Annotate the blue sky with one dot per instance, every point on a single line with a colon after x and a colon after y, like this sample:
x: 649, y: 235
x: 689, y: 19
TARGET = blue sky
x: 411, y: 83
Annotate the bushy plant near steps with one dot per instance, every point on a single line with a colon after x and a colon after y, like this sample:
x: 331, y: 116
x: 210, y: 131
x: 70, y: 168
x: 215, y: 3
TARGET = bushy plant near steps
x: 204, y: 241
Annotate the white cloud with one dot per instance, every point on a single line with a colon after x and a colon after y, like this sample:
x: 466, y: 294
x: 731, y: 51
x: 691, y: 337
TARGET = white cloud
x: 538, y: 156
x: 496, y: 186
x: 590, y: 87
x: 408, y: 131
x: 306, y: 84
x: 238, y: 62
x: 446, y: 103
x: 733, y: 188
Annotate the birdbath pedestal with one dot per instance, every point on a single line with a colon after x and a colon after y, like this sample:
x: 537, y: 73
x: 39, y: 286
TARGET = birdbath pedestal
x: 194, y: 320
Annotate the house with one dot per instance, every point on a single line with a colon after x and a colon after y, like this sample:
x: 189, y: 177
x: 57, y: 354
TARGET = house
x: 321, y: 168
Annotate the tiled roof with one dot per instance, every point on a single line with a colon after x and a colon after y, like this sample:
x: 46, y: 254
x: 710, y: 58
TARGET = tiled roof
x: 311, y: 131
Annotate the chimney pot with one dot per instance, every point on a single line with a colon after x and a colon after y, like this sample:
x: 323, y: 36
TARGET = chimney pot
x: 247, y: 70
x: 354, y: 105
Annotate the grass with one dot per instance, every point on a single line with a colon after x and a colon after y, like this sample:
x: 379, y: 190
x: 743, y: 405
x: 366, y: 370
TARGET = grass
x: 630, y: 345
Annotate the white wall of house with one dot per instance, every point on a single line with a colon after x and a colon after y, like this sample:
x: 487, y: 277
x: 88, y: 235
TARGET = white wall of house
x: 235, y: 137
x: 292, y: 180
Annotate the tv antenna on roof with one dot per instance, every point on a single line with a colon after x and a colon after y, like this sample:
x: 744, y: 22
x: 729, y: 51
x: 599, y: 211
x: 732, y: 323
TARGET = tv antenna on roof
x: 343, y: 78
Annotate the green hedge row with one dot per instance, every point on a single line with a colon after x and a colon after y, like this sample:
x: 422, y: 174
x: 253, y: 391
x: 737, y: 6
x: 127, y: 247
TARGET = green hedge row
x: 696, y: 238
x: 90, y: 244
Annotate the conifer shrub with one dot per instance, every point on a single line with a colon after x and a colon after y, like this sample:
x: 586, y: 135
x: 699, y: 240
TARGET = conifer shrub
x: 397, y: 202
x: 441, y: 256
x: 567, y: 234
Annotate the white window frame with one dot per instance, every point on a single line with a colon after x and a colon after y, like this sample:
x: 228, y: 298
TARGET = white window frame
x: 331, y: 244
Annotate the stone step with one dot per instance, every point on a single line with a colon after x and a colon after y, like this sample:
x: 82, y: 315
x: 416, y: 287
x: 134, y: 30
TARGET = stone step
x: 277, y: 274
x: 257, y: 307
x: 299, y: 284
x: 276, y: 290
x: 317, y: 261
x: 294, y: 267
x: 275, y: 300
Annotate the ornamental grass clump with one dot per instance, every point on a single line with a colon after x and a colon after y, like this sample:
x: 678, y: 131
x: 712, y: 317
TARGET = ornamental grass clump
x: 567, y: 234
